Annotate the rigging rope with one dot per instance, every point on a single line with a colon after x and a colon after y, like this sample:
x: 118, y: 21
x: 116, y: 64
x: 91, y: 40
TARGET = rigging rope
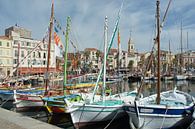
x: 148, y: 65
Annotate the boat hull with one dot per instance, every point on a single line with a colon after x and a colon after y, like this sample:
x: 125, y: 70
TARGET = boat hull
x: 24, y: 102
x: 167, y: 78
x: 58, y: 104
x: 88, y: 114
x: 155, y: 118
x: 134, y: 78
x: 180, y: 77
x: 175, y: 108
x: 55, y: 106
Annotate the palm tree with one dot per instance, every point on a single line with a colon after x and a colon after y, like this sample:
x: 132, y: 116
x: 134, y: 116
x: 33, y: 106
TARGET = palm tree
x: 86, y: 55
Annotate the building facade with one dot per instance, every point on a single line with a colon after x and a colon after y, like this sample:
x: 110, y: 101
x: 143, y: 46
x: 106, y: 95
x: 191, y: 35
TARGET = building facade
x: 6, y: 58
x: 29, y: 55
x: 188, y: 59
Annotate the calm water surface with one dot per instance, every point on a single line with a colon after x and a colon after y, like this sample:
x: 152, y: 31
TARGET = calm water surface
x: 64, y: 120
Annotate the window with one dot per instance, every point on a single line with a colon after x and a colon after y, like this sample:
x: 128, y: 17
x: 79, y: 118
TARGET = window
x: 23, y: 43
x: 28, y: 62
x: 33, y: 54
x: 15, y: 42
x: 131, y: 47
x: 16, y: 53
x: 45, y: 46
x: 22, y: 53
x: 34, y: 62
x: 39, y: 54
x: 15, y: 61
x: 7, y: 44
x: 28, y: 44
x: 8, y: 71
x: 0, y: 43
x: 1, y: 52
x: 44, y: 62
x: 44, y: 55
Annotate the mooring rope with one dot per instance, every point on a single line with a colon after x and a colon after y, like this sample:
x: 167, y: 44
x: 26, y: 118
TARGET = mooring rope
x: 164, y: 117
x: 111, y: 120
x: 5, y: 100
x: 81, y: 114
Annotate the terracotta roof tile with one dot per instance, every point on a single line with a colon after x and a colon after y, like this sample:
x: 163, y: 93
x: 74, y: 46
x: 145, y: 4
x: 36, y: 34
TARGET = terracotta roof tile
x: 90, y: 49
x: 4, y: 37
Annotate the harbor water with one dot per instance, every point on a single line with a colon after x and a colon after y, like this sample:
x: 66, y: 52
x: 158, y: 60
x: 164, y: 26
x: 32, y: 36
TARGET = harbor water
x: 64, y: 120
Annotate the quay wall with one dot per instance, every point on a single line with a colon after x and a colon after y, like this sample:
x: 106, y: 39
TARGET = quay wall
x: 13, y: 120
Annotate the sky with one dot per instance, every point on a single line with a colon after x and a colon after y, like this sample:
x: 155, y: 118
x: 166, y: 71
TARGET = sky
x: 137, y: 21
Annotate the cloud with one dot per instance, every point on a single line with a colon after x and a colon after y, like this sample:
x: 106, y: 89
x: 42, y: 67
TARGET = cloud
x: 87, y: 20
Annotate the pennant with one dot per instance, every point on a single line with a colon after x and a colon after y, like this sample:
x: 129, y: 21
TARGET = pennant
x: 59, y: 50
x: 56, y: 38
x: 56, y: 30
x: 119, y: 45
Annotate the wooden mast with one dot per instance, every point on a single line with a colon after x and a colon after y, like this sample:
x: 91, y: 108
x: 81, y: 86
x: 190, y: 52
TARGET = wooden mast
x: 181, y: 55
x: 158, y: 46
x: 49, y: 47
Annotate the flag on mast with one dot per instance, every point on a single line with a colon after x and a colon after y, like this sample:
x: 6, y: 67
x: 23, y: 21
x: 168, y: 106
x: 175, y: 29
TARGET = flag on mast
x: 58, y: 44
x: 119, y: 44
x: 119, y: 40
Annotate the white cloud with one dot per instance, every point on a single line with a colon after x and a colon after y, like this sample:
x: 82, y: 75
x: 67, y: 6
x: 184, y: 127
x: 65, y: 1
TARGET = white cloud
x: 88, y: 20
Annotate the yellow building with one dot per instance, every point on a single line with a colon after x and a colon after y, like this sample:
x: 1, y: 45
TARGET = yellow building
x: 6, y: 57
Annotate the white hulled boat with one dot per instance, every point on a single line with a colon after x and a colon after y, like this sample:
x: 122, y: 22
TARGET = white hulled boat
x: 29, y: 99
x: 98, y: 110
x: 164, y: 109
x: 175, y: 107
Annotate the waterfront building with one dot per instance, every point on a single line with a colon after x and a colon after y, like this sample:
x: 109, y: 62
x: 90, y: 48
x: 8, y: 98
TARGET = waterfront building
x: 124, y: 60
x: 29, y: 55
x: 6, y: 59
x: 133, y: 56
x: 188, y: 59
x: 91, y: 59
x: 112, y: 60
x: 131, y: 47
x: 74, y: 63
x: 166, y: 60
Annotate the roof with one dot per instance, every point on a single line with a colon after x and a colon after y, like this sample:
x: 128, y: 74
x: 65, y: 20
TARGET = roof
x: 4, y: 38
x: 112, y: 51
x: 91, y: 49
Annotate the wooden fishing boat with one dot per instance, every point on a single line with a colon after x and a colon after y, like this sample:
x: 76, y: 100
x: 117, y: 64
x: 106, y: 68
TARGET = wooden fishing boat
x: 164, y: 109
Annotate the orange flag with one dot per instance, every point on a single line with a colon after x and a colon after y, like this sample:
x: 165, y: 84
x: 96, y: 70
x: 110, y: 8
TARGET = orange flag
x: 56, y: 38
x: 119, y: 40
